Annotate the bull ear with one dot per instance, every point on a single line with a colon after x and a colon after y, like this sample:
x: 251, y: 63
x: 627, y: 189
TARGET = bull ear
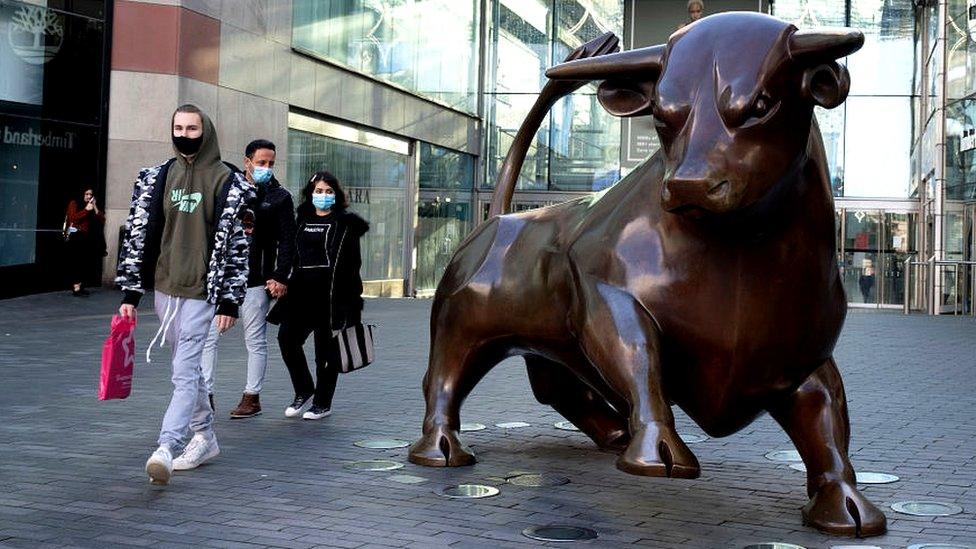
x: 826, y: 85
x: 626, y: 97
x: 813, y: 46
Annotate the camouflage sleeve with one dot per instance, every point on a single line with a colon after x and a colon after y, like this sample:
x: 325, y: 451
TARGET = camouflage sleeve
x: 234, y: 282
x: 129, y: 270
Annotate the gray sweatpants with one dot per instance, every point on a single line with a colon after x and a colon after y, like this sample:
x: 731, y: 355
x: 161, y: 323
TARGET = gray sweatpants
x: 185, y: 323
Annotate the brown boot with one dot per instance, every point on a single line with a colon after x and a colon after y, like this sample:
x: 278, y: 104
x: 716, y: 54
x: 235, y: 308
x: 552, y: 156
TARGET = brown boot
x: 249, y: 406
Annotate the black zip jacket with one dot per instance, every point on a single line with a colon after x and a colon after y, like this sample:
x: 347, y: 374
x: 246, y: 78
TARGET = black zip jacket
x: 272, y: 236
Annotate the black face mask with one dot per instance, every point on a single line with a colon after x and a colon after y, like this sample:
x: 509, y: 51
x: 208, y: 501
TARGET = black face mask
x: 187, y: 145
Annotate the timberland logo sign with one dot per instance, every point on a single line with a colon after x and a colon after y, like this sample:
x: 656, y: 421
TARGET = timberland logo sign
x: 36, y: 34
x: 30, y: 138
x: 187, y: 202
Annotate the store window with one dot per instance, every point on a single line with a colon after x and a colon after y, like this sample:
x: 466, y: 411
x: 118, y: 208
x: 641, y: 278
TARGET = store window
x: 429, y: 47
x: 375, y: 180
x: 444, y: 211
x: 52, y: 79
x: 960, y: 172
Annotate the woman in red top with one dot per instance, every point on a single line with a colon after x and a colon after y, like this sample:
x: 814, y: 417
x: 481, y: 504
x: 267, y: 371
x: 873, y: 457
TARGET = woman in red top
x: 86, y: 241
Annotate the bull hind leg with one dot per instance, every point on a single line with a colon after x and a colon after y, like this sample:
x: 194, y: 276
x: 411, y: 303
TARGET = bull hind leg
x: 556, y: 385
x: 456, y: 365
x: 815, y: 418
x: 621, y: 339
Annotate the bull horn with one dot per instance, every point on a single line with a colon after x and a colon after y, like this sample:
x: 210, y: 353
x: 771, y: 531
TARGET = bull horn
x: 631, y: 63
x: 824, y: 44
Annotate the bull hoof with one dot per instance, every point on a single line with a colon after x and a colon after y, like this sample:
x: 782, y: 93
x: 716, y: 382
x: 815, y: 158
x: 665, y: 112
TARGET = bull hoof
x: 839, y: 508
x: 440, y: 447
x: 657, y: 451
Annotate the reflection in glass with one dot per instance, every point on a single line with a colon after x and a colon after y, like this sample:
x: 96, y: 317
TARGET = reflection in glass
x: 859, y: 269
x: 585, y: 145
x: 505, y: 116
x: 426, y: 46
x: 443, y: 220
x: 443, y: 216
x: 810, y: 13
x: 883, y: 66
x: 960, y: 151
x: 521, y: 51
x: 877, y: 144
x: 960, y: 58
x: 899, y: 230
x: 526, y: 37
x: 374, y: 181
x: 831, y: 122
x: 445, y: 169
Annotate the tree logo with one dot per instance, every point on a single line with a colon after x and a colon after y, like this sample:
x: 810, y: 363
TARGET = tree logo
x: 36, y: 34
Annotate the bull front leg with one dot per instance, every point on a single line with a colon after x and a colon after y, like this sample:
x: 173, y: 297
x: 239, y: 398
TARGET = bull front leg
x: 619, y: 337
x: 815, y: 418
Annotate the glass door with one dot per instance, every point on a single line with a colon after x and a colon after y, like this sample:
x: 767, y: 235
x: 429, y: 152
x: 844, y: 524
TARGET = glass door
x: 862, y: 234
x: 896, y: 244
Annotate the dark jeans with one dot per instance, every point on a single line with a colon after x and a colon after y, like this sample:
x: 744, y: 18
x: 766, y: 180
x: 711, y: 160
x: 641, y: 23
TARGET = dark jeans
x: 291, y: 336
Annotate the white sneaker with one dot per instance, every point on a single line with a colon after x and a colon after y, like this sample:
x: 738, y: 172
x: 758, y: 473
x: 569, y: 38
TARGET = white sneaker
x: 200, y: 449
x: 299, y: 405
x: 159, y: 467
x: 317, y: 412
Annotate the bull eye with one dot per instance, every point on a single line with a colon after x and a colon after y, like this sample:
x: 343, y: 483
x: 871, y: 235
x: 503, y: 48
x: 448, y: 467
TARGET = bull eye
x: 762, y: 105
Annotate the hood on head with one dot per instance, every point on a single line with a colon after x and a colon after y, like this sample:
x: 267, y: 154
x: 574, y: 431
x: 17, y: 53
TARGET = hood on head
x: 209, y: 150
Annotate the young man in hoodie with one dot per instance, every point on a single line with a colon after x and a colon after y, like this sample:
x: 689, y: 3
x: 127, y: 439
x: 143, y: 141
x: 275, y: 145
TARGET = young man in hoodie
x: 185, y: 238
x: 270, y: 223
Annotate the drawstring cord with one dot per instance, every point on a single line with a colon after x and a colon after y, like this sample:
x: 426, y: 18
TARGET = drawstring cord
x: 164, y: 326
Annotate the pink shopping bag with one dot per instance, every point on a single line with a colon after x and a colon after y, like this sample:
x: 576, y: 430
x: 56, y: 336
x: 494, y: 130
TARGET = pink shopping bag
x: 118, y: 358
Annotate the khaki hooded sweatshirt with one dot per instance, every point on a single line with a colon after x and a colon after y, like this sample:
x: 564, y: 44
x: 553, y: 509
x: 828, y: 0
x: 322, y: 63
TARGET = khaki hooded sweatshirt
x: 191, y: 191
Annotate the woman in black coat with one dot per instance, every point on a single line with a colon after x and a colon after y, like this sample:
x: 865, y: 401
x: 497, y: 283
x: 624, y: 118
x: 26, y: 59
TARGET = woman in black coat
x: 324, y: 292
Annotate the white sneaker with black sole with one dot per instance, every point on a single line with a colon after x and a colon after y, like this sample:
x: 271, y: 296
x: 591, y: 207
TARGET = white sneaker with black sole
x: 317, y: 412
x: 159, y: 467
x: 298, y: 406
x: 202, y: 448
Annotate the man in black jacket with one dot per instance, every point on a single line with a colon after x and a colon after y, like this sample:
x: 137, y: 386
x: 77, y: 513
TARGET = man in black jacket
x: 271, y: 227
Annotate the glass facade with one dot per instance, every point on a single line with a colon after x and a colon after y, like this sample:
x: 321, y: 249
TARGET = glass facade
x: 868, y: 140
x: 429, y: 47
x: 577, y: 148
x: 52, y: 141
x: 444, y: 211
x: 375, y: 181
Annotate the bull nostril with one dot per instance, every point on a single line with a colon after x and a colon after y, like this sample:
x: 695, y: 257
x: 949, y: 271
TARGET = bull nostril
x: 720, y: 190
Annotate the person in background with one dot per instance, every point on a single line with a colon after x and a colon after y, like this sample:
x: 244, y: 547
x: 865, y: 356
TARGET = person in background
x: 184, y: 237
x: 696, y: 9
x: 271, y: 224
x: 84, y: 226
x: 324, y: 293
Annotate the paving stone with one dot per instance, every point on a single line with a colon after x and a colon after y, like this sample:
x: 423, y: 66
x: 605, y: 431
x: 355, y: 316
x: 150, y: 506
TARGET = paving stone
x: 71, y: 466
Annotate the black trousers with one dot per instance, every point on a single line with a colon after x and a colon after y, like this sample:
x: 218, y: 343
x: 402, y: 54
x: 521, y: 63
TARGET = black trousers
x: 291, y: 337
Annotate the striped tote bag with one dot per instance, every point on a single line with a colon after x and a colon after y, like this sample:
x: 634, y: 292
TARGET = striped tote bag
x: 355, y: 347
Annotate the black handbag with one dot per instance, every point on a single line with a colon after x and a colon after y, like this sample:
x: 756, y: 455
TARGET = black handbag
x: 355, y: 347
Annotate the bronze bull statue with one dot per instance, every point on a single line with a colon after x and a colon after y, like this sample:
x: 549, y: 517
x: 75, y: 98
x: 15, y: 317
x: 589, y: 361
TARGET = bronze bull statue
x: 706, y: 278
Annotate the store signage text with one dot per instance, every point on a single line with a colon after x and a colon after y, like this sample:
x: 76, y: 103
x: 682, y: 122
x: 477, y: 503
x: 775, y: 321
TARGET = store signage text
x: 358, y: 195
x: 30, y: 138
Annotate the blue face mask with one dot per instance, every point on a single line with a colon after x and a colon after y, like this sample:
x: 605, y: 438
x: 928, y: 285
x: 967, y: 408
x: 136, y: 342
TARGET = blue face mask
x: 323, y: 201
x: 261, y: 175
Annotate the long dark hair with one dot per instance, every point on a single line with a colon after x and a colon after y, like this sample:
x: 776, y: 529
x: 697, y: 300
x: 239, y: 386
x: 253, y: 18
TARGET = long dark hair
x: 306, y: 205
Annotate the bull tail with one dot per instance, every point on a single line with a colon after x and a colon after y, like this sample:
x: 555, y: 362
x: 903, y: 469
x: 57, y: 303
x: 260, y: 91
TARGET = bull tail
x: 554, y: 90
